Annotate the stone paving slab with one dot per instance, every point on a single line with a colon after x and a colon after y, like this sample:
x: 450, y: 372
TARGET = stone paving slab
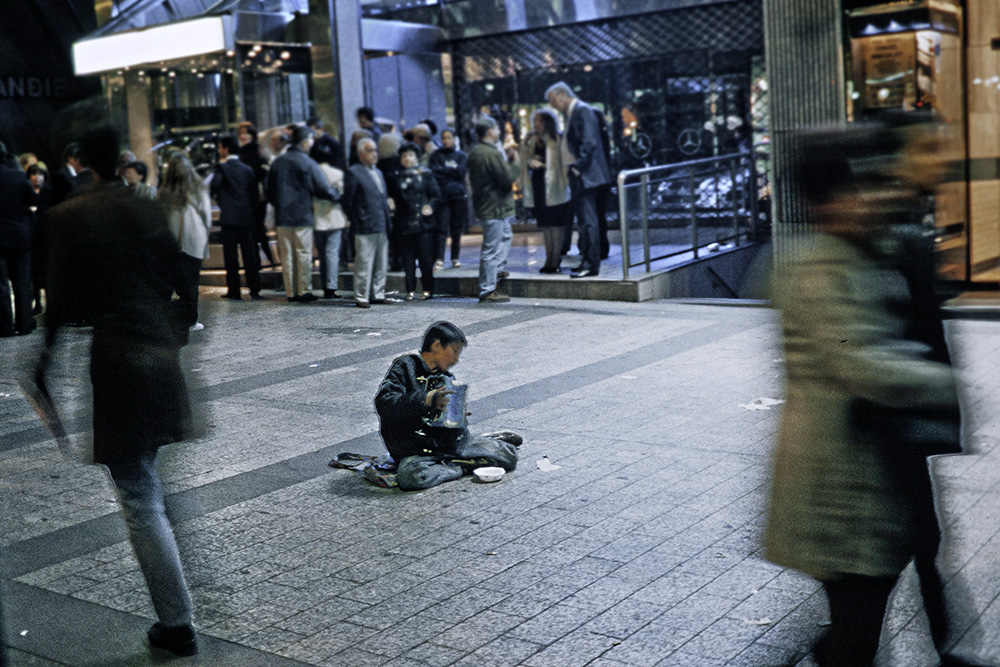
x: 641, y: 548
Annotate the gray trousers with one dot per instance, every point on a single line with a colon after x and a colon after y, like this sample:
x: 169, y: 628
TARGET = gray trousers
x: 475, y: 451
x: 371, y: 261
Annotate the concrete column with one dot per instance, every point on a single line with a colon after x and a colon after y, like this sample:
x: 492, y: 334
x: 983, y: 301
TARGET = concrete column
x: 338, y: 75
x: 805, y: 71
x: 138, y: 102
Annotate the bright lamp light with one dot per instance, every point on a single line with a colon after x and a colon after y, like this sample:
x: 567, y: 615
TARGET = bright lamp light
x: 163, y: 42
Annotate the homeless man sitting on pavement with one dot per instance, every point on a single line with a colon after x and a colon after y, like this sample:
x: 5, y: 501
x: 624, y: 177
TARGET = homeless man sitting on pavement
x: 411, y: 395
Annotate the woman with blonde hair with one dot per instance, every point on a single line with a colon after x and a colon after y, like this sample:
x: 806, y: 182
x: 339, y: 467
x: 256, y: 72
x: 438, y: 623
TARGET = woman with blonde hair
x: 186, y: 202
x: 545, y: 184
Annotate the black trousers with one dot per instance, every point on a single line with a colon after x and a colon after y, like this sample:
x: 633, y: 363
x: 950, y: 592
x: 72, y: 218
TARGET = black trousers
x: 418, y: 246
x: 260, y: 232
x: 187, y: 289
x: 453, y: 215
x: 602, y: 201
x: 15, y: 267
x: 585, y: 206
x: 857, y: 606
x: 236, y: 240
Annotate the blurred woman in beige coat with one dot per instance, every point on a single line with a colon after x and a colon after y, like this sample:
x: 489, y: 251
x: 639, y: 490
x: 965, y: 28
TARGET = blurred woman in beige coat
x: 870, y: 391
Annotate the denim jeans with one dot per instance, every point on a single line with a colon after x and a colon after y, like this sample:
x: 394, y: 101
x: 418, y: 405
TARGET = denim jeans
x: 149, y: 531
x: 497, y: 235
x: 328, y: 247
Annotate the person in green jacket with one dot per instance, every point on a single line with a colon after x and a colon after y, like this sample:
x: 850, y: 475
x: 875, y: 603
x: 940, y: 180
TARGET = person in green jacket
x: 492, y: 173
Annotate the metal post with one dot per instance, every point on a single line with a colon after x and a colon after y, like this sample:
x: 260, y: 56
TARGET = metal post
x: 644, y: 200
x: 736, y: 208
x: 623, y: 224
x: 694, y: 214
x: 753, y: 194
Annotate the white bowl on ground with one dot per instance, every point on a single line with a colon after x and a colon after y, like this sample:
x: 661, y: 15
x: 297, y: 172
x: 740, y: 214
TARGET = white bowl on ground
x: 489, y: 474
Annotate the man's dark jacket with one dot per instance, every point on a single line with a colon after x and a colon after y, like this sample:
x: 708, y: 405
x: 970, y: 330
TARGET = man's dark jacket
x: 234, y: 188
x: 583, y: 137
x: 16, y: 195
x: 294, y: 180
x: 366, y: 206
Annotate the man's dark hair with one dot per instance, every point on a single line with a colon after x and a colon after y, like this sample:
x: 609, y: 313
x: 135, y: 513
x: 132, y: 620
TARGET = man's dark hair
x: 231, y: 145
x: 484, y: 125
x: 99, y: 151
x: 409, y: 147
x: 431, y: 125
x: 445, y: 333
x: 315, y: 123
x: 140, y: 168
x: 367, y: 113
x: 72, y: 150
x: 249, y: 127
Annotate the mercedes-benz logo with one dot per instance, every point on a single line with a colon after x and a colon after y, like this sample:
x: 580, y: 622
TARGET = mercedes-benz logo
x: 641, y: 145
x: 689, y: 141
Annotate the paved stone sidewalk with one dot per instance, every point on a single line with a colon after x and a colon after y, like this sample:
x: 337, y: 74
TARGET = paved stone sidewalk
x: 641, y: 548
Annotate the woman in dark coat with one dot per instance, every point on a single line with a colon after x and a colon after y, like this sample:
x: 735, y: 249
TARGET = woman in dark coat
x: 113, y: 253
x: 414, y: 191
x: 450, y: 166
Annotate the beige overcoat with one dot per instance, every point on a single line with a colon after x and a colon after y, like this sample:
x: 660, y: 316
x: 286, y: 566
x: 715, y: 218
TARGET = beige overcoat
x: 836, y: 506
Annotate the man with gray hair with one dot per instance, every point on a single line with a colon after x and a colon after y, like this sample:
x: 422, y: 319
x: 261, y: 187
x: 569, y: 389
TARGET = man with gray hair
x: 588, y: 172
x: 492, y: 173
x: 293, y: 181
x: 367, y: 205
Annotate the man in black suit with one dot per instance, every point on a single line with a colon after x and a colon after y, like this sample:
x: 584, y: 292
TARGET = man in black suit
x: 234, y: 188
x: 326, y: 149
x: 587, y: 174
x: 72, y: 176
x: 16, y: 196
x: 367, y: 206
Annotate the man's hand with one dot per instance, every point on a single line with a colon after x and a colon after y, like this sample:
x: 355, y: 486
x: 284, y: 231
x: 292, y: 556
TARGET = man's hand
x: 439, y: 398
x: 426, y: 210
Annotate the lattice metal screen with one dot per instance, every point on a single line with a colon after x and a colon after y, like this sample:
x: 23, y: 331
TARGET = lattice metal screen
x: 675, y: 85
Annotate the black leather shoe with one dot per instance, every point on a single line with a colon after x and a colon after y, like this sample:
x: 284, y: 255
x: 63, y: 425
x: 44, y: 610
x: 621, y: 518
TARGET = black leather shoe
x: 232, y: 297
x: 329, y: 294
x: 550, y: 269
x: 307, y: 297
x: 295, y: 299
x: 583, y: 273
x: 503, y: 274
x: 179, y: 640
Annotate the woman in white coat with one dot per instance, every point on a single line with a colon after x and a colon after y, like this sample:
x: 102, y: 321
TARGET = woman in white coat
x: 545, y: 184
x: 189, y: 211
x: 330, y: 225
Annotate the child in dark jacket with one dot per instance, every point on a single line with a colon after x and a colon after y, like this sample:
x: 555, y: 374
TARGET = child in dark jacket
x: 412, y: 394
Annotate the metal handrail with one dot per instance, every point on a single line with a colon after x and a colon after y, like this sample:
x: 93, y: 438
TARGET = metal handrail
x: 644, y: 178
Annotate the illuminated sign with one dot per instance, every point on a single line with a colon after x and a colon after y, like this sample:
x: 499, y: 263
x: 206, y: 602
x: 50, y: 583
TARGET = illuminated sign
x: 159, y: 43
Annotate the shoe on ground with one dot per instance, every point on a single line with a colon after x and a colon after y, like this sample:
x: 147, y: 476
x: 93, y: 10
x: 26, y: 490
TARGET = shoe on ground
x: 362, y: 304
x: 583, y: 273
x: 506, y: 436
x: 329, y: 294
x: 385, y: 300
x: 411, y: 296
x: 503, y: 274
x: 294, y: 299
x: 180, y: 640
x: 256, y: 297
x: 233, y: 297
x: 425, y: 296
x: 308, y: 297
x: 494, y: 297
x: 455, y: 264
x: 197, y: 326
x: 438, y: 265
x: 550, y: 269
